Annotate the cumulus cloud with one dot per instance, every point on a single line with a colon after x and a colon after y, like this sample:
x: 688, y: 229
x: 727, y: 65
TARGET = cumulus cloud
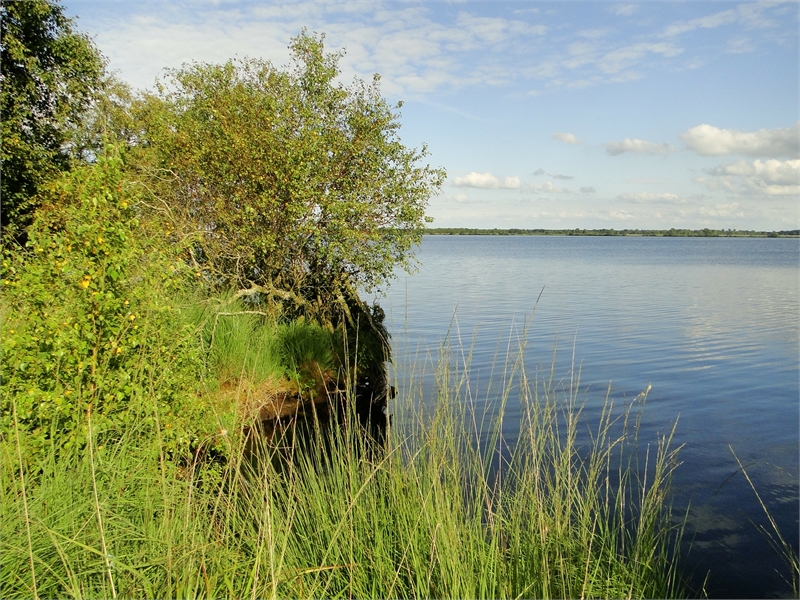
x: 567, y: 138
x: 637, y: 146
x: 641, y: 197
x: 708, y: 140
x: 771, y: 177
x: 486, y: 181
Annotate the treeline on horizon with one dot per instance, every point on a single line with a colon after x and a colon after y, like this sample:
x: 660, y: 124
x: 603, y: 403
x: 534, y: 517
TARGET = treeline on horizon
x: 615, y: 232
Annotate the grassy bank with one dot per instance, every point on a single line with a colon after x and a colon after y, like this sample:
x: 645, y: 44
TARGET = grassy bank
x: 427, y: 517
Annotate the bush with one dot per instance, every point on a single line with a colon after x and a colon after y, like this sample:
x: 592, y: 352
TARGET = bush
x: 89, y: 313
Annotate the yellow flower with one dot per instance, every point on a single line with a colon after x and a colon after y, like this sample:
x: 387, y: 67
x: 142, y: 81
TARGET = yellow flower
x: 132, y: 317
x: 85, y: 283
x: 123, y: 204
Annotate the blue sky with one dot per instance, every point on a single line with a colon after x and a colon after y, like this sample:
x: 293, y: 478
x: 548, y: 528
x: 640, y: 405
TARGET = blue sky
x: 555, y: 115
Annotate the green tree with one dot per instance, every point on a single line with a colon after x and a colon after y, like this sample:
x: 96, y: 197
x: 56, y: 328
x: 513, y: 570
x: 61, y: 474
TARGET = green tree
x: 50, y: 73
x: 292, y: 183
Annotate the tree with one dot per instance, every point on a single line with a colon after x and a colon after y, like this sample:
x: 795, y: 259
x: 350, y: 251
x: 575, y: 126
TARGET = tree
x: 293, y: 184
x: 49, y: 76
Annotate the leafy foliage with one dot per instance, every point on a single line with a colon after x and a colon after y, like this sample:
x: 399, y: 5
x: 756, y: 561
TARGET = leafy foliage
x: 89, y: 311
x: 289, y: 180
x: 49, y: 75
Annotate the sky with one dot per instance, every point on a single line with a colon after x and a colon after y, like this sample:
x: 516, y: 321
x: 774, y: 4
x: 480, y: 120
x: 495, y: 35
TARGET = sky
x: 555, y: 115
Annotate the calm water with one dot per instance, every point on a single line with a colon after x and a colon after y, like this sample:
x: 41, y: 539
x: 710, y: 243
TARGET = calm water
x: 711, y: 324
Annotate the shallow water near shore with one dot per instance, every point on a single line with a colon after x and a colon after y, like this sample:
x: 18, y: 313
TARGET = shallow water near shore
x: 710, y: 323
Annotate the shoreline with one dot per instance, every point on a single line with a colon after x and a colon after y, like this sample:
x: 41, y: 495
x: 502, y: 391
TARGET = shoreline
x: 616, y: 232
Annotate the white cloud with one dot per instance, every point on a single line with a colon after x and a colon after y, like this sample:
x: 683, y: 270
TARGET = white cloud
x: 541, y: 171
x: 591, y: 34
x: 621, y: 215
x: 545, y: 188
x: 567, y: 138
x: 624, y: 10
x: 717, y: 184
x: 708, y: 140
x: 637, y: 146
x: 622, y: 58
x: 740, y: 45
x: 722, y: 210
x: 724, y: 17
x: 749, y: 15
x: 418, y: 49
x: 641, y: 197
x: 771, y: 177
x: 486, y: 181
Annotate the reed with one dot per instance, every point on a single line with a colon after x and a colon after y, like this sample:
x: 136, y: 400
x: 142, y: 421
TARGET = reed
x: 440, y: 512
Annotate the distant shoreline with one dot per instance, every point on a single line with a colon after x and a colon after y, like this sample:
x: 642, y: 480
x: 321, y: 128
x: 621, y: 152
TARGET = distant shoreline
x: 617, y: 232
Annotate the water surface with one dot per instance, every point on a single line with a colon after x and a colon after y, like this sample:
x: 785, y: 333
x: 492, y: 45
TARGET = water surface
x: 710, y: 323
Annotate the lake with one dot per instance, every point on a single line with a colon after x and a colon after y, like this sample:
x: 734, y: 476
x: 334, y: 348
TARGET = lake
x: 710, y: 323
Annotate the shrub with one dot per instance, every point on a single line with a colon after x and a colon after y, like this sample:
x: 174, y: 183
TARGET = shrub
x: 89, y: 314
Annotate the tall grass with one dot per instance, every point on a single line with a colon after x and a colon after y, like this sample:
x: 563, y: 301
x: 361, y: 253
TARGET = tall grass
x: 431, y: 516
x: 250, y: 341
